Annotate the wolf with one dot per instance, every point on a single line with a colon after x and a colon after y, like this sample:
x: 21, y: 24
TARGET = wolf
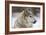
x: 25, y: 19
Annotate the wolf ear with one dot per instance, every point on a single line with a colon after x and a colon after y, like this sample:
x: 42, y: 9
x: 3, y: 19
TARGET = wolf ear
x: 25, y: 13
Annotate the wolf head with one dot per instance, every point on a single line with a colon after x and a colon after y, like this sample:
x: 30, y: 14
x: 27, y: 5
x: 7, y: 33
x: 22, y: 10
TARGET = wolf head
x: 29, y: 13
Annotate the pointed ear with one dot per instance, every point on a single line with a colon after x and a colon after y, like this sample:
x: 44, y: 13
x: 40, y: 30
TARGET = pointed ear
x: 25, y: 13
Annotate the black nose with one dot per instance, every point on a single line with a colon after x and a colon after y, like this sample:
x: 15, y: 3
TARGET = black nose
x: 34, y: 22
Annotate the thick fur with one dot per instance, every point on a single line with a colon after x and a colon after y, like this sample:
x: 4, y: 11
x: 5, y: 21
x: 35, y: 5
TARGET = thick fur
x: 25, y: 19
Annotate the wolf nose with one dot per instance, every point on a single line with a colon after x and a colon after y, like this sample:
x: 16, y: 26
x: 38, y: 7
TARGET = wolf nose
x: 34, y: 21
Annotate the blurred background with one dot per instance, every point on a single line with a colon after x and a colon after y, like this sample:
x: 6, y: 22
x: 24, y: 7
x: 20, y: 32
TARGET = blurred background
x: 35, y: 10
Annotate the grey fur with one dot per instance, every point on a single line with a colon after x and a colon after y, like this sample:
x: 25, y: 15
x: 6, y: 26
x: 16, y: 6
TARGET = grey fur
x: 25, y: 19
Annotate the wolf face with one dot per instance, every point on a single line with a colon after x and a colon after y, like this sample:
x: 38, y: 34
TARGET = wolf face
x: 28, y: 13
